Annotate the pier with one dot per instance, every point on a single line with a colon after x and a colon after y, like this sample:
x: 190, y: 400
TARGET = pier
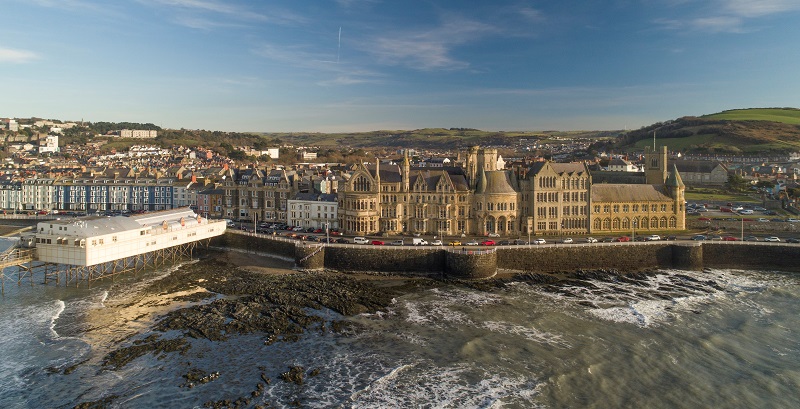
x: 75, y: 251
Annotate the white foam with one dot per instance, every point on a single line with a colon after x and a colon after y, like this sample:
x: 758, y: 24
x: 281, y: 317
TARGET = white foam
x: 424, y: 384
x: 531, y: 334
x: 60, y: 307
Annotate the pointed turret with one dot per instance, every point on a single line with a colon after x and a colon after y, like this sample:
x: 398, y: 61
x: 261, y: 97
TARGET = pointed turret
x: 480, y: 188
x: 674, y: 179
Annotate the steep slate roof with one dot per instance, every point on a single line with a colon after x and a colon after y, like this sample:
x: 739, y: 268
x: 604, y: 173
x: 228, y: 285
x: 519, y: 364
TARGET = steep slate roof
x: 431, y: 177
x: 628, y: 193
x: 560, y: 168
x: 577, y: 168
x: 498, y: 181
x: 674, y: 178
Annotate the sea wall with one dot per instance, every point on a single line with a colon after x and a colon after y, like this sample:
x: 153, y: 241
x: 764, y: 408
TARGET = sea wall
x: 467, y: 264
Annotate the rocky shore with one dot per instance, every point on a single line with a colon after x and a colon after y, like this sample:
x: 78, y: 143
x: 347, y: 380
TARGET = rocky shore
x: 226, y: 294
x: 230, y: 294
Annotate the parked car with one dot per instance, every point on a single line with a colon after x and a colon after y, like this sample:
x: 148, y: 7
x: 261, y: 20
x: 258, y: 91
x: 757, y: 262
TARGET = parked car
x: 792, y: 220
x: 567, y: 240
x: 539, y: 241
x: 591, y: 240
x: 623, y: 239
x: 751, y: 238
x: 437, y: 242
x: 472, y: 243
x: 653, y: 237
x: 745, y: 211
x: 378, y: 243
x: 672, y: 238
x: 772, y: 239
x: 714, y: 237
x: 419, y: 241
x: 763, y: 220
x: 730, y: 238
x: 360, y: 240
x: 342, y: 240
x: 519, y: 242
x: 488, y: 242
x: 698, y: 237
x: 455, y: 243
x: 504, y: 243
x: 607, y: 240
x: 793, y: 240
x: 493, y: 234
x: 397, y: 243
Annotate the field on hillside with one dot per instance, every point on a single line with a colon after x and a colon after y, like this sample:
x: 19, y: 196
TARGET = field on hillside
x: 787, y: 116
x: 709, y: 142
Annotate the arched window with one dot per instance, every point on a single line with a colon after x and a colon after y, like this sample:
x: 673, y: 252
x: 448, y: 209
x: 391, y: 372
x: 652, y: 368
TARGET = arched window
x: 654, y: 223
x: 663, y: 223
x: 597, y: 223
x: 645, y: 223
x: 606, y: 224
x: 615, y: 224
x: 626, y: 224
x: 672, y: 222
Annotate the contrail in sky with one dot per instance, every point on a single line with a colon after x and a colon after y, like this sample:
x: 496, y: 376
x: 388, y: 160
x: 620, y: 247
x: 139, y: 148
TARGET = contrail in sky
x: 339, y: 46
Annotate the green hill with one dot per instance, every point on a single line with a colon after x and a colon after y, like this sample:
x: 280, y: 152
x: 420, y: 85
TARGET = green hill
x: 747, y: 131
x: 783, y: 115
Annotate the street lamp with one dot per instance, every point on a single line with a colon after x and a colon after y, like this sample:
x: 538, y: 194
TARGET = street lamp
x: 633, y: 230
x: 742, y: 237
x: 327, y: 233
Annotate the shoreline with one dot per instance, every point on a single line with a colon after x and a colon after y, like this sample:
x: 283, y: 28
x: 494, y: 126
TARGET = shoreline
x: 230, y: 294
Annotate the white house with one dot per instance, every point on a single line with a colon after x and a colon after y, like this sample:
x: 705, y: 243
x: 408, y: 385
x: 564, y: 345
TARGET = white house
x: 49, y: 144
x: 313, y: 210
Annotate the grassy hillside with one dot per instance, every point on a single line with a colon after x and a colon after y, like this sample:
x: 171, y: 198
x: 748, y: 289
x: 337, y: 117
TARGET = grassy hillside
x: 744, y: 131
x: 783, y: 115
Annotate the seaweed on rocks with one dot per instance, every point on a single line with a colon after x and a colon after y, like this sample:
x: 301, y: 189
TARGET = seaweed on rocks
x: 197, y: 376
x: 121, y: 357
x: 295, y: 374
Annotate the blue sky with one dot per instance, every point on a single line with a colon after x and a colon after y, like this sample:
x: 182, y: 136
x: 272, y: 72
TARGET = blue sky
x: 280, y: 65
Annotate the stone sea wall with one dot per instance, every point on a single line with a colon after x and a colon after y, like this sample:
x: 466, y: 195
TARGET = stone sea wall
x: 541, y: 259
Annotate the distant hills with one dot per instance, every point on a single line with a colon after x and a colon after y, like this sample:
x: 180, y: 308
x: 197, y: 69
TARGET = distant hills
x: 747, y: 131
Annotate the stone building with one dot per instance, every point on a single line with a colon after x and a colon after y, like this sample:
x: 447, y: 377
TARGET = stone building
x: 477, y: 198
x: 655, y: 206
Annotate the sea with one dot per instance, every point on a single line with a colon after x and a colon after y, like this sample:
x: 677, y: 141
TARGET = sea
x: 676, y: 339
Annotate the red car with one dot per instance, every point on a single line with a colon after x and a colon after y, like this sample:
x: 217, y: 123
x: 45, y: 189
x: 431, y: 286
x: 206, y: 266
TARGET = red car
x: 730, y: 238
x: 705, y: 219
x: 623, y: 239
x: 487, y: 243
x: 377, y: 243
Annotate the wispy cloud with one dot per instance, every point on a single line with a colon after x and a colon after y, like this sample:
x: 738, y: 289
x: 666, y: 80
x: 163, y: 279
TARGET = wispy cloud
x: 10, y: 55
x: 218, y: 8
x: 429, y: 49
x: 728, y: 16
x: 303, y: 57
x: 759, y: 8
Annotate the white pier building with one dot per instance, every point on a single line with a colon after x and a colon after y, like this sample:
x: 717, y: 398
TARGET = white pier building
x: 93, y: 241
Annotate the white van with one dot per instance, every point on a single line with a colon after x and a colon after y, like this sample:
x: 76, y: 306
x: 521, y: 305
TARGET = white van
x: 419, y: 241
x: 230, y: 223
x: 360, y: 240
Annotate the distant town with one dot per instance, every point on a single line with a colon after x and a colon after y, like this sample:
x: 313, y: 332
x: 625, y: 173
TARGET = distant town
x: 522, y: 186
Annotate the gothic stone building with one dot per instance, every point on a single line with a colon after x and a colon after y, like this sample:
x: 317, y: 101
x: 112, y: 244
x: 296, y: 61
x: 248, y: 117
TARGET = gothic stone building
x: 477, y: 198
